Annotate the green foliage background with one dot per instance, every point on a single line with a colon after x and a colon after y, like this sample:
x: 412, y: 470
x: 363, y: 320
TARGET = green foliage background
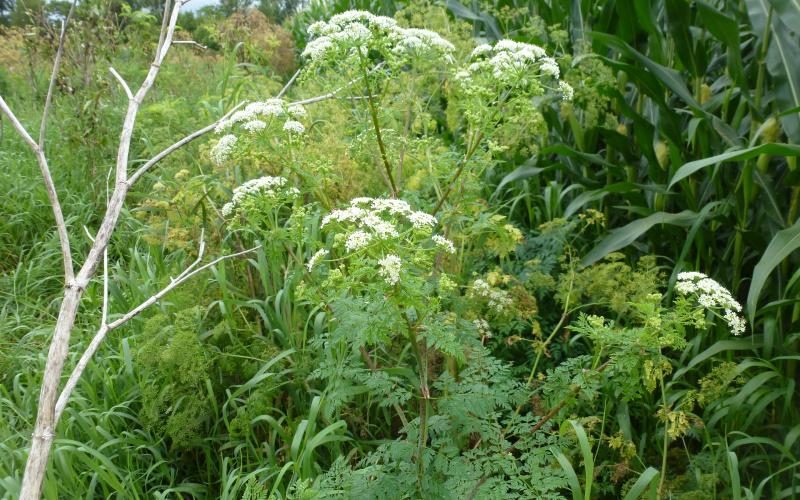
x: 678, y: 152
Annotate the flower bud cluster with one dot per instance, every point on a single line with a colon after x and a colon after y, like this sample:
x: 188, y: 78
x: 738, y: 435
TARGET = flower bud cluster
x: 497, y: 299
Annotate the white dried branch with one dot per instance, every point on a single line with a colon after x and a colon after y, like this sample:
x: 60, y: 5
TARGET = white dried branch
x: 288, y: 84
x: 122, y: 82
x: 334, y: 94
x: 189, y: 42
x: 44, y: 428
x: 50, y: 187
x: 121, y: 185
x: 189, y: 138
x: 98, y: 338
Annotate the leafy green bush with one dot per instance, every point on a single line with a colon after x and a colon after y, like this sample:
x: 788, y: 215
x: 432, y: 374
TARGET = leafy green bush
x: 471, y: 276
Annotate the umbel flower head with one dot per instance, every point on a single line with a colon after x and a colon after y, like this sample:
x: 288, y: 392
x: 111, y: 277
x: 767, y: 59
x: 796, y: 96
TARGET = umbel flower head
x: 258, y: 194
x: 273, y: 115
x: 355, y: 33
x: 513, y: 64
x: 387, y: 235
x: 712, y: 296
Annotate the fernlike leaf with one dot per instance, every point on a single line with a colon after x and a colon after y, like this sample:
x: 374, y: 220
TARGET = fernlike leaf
x: 774, y: 149
x: 783, y: 243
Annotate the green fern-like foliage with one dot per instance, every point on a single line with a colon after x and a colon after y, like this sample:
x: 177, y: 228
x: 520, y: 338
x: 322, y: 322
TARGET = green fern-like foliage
x: 477, y: 446
x: 174, y: 366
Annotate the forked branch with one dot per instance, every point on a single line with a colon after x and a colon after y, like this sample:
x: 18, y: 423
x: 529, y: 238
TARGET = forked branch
x: 98, y: 338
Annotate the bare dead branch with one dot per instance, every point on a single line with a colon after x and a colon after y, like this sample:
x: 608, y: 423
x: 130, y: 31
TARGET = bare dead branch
x: 334, y: 94
x: 189, y: 42
x: 44, y: 428
x: 122, y: 82
x: 54, y: 75
x: 50, y: 187
x: 121, y: 185
x: 189, y: 138
x: 288, y: 84
x: 190, y: 272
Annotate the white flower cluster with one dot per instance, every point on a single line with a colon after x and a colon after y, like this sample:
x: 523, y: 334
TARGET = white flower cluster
x: 497, y: 299
x: 356, y: 31
x: 259, y: 112
x: 567, y: 92
x: 390, y: 268
x: 294, y: 127
x: 516, y: 63
x: 369, y: 213
x: 444, y: 243
x: 315, y: 259
x: 483, y: 328
x: 254, y: 118
x: 223, y: 149
x: 371, y: 220
x: 357, y: 240
x: 273, y: 188
x: 712, y: 295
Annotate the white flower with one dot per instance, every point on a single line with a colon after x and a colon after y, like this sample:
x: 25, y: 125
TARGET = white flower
x: 227, y: 209
x: 444, y: 243
x: 254, y: 126
x: 483, y: 328
x: 273, y: 188
x: 363, y: 200
x: 351, y: 214
x: 352, y: 32
x: 567, y: 92
x: 550, y: 67
x: 390, y: 269
x: 393, y: 206
x: 480, y: 50
x: 497, y: 299
x: 315, y: 258
x: 294, y: 127
x: 706, y: 301
x: 268, y: 108
x: 222, y: 126
x: 242, y: 115
x: 317, y: 49
x: 711, y: 295
x: 297, y: 111
x: 381, y: 227
x: 222, y: 150
x: 421, y: 220
x: 735, y: 322
x: 357, y: 240
x: 481, y: 288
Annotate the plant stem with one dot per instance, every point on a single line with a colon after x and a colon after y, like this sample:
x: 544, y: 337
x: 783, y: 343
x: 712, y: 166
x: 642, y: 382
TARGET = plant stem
x: 473, y: 146
x: 666, y: 442
x: 421, y: 355
x: 373, y: 367
x: 374, y: 115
